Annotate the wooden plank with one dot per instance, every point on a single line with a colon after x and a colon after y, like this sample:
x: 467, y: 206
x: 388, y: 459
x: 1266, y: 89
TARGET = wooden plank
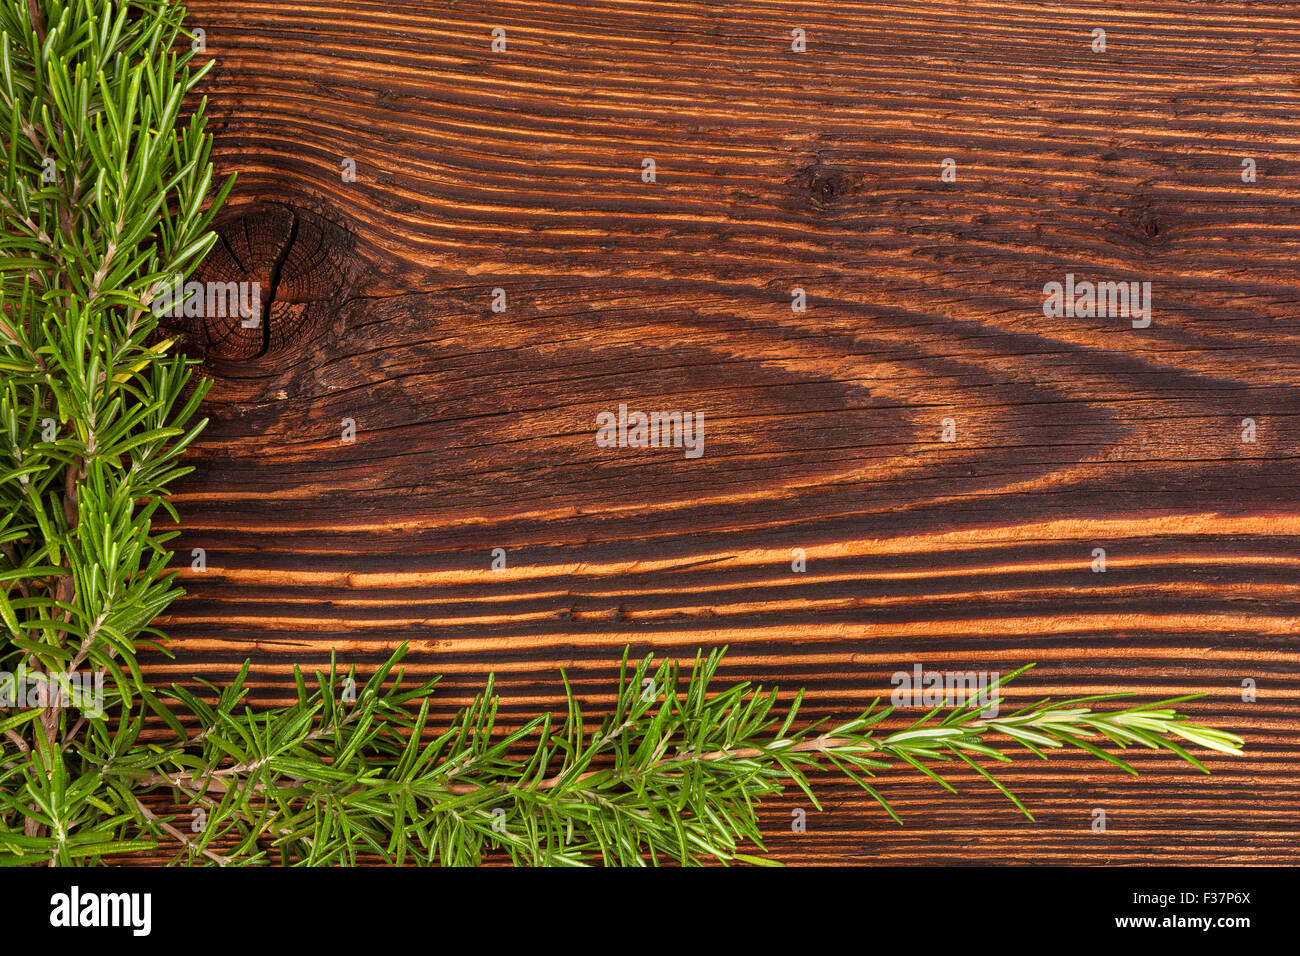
x: 475, y: 429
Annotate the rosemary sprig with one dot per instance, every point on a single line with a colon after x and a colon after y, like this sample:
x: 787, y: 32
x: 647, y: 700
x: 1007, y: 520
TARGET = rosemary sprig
x: 672, y: 773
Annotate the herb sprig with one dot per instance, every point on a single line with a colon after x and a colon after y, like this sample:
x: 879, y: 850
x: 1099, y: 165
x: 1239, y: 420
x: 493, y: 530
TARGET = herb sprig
x: 673, y: 772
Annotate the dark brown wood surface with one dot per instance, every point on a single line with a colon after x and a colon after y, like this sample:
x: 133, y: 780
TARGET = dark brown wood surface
x: 475, y: 430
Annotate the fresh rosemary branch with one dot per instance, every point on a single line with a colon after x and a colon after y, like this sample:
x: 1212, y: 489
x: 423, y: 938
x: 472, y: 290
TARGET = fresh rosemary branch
x: 102, y: 200
x: 102, y: 197
x: 673, y: 772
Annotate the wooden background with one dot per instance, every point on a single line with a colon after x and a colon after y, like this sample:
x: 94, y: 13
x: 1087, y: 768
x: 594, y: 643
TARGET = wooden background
x: 475, y: 430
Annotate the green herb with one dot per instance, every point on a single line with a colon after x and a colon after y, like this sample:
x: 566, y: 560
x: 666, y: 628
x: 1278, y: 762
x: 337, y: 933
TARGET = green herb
x: 106, y: 194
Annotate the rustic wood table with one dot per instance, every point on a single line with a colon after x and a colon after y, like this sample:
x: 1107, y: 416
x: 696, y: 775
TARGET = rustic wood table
x: 830, y: 229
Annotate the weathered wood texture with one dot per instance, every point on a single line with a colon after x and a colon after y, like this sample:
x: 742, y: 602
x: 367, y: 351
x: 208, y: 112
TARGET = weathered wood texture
x: 475, y: 430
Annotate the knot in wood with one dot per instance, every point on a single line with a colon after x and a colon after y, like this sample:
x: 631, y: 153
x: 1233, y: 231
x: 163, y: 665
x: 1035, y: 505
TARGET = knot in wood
x: 825, y: 183
x: 272, y: 280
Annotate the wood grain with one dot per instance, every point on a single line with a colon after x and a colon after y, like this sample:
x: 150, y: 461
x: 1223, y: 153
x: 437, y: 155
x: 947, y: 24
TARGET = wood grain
x: 521, y: 170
